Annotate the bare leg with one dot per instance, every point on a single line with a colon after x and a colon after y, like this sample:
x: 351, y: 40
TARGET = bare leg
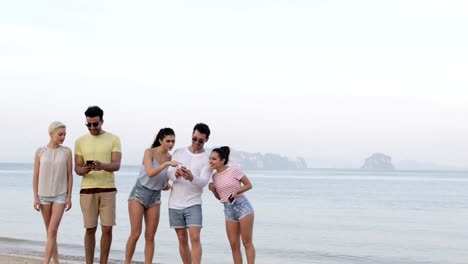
x: 151, y: 221
x: 106, y: 241
x: 55, y: 254
x: 90, y: 244
x: 135, y: 212
x: 56, y: 213
x: 246, y: 230
x: 184, y: 249
x: 46, y: 211
x: 233, y: 234
x: 196, y: 244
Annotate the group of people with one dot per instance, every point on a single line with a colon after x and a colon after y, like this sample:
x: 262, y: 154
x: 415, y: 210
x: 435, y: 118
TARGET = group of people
x: 98, y: 155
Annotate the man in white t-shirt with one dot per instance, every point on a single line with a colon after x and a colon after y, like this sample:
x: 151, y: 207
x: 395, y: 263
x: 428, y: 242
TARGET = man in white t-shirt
x: 188, y: 181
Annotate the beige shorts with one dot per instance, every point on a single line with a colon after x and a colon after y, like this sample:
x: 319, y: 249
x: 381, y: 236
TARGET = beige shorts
x: 94, y: 205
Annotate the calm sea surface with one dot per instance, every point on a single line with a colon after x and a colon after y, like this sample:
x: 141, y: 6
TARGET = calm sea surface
x: 307, y: 216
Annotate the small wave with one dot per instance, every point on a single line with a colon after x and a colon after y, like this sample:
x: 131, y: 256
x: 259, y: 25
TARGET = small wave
x: 298, y: 256
x: 16, y: 171
x: 364, y: 178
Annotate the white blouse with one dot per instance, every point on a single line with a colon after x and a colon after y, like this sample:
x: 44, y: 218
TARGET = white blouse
x: 53, y: 170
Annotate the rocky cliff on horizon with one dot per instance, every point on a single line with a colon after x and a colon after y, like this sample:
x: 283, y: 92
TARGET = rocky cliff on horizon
x: 248, y: 160
x: 378, y: 161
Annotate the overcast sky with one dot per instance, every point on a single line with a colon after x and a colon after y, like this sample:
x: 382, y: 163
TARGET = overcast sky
x: 332, y: 81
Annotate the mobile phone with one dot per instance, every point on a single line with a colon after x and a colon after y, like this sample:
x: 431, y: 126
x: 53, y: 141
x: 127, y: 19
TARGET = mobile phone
x: 231, y: 199
x: 89, y: 162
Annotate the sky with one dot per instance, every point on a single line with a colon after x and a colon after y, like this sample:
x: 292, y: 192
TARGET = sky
x: 330, y: 81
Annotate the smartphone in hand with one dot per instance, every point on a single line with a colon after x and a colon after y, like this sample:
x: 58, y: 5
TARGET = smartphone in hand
x: 89, y: 163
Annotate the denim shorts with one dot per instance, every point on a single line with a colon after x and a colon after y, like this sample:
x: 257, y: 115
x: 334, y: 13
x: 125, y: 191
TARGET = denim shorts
x: 182, y: 218
x: 145, y: 196
x: 61, y: 198
x: 240, y: 208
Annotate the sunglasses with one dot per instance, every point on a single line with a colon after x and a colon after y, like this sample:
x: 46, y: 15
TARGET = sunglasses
x: 199, y: 140
x: 95, y: 124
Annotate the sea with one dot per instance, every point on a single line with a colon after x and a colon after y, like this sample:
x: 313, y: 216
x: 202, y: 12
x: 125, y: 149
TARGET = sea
x: 301, y: 216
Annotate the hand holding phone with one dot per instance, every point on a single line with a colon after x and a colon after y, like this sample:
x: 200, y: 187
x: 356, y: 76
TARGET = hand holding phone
x: 90, y: 164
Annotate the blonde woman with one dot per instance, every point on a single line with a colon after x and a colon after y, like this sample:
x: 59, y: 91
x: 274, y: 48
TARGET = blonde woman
x: 52, y: 185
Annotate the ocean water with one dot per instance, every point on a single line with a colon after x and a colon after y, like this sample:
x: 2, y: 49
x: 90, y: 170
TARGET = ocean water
x: 305, y: 216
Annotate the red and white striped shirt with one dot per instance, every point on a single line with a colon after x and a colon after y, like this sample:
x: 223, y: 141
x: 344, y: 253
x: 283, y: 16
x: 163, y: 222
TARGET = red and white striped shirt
x: 228, y: 181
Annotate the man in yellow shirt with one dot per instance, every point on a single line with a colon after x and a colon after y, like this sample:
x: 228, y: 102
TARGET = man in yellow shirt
x: 97, y: 156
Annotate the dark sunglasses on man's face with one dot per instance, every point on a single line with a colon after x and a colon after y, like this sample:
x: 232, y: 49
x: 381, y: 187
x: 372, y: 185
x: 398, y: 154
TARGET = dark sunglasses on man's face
x: 200, y: 141
x: 95, y: 124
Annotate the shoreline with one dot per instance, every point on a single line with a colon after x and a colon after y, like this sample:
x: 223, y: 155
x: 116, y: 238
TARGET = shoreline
x: 16, y: 251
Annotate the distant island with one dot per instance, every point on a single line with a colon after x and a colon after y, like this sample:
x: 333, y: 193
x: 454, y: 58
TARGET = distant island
x: 272, y: 161
x: 378, y: 161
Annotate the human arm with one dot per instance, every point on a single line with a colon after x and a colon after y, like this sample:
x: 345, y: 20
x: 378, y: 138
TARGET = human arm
x: 37, y: 203
x: 171, y: 171
x: 148, y: 164
x: 246, y: 185
x: 174, y: 172
x: 202, y: 181
x: 68, y: 203
x: 80, y: 167
x: 212, y: 188
x: 167, y: 186
x: 109, y: 167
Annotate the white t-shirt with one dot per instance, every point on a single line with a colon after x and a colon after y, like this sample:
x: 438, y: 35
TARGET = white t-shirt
x: 187, y: 193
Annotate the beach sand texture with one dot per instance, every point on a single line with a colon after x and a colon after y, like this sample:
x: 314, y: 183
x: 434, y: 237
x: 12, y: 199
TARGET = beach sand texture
x: 24, y: 259
x: 14, y: 259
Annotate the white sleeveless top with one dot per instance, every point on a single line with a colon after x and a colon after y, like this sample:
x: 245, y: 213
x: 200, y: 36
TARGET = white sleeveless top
x: 53, y: 170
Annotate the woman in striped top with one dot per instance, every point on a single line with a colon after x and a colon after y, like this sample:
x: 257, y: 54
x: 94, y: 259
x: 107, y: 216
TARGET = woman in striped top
x: 228, y: 186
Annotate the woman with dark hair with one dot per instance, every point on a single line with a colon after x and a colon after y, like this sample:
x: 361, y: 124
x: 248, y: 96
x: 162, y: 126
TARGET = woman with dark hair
x: 228, y: 186
x: 145, y: 197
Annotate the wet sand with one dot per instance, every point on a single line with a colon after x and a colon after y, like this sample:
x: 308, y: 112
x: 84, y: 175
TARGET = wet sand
x: 24, y: 259
x: 15, y: 259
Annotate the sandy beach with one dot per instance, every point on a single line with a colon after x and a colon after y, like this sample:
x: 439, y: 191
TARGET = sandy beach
x: 24, y: 259
x: 15, y: 259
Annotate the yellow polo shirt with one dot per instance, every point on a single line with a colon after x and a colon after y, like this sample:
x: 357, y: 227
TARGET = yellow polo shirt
x: 98, y: 148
